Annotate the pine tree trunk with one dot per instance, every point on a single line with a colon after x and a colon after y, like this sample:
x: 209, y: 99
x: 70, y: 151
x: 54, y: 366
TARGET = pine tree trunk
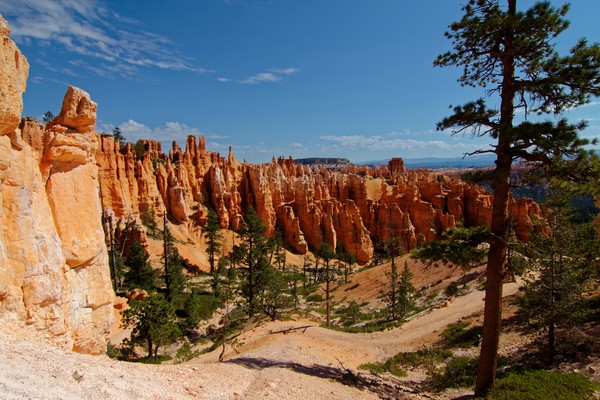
x: 327, y: 282
x: 492, y: 317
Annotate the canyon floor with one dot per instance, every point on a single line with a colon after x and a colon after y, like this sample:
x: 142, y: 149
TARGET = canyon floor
x: 311, y: 362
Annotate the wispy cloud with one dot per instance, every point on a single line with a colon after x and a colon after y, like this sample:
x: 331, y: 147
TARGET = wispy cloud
x: 87, y: 28
x: 386, y: 143
x: 272, y: 75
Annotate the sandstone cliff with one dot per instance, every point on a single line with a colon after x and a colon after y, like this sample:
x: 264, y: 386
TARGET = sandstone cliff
x: 54, y: 274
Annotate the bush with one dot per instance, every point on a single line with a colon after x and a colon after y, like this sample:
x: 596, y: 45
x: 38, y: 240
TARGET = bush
x: 456, y: 335
x: 185, y: 353
x: 314, y: 298
x: 385, y: 367
x: 459, y: 372
x: 452, y: 289
x: 533, y: 385
x: 373, y: 367
x: 199, y: 307
x: 426, y: 357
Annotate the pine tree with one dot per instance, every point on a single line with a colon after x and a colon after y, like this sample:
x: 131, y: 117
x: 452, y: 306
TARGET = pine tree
x: 118, y: 136
x: 406, y: 292
x: 153, y: 321
x: 561, y: 258
x: 48, y: 117
x: 254, y: 253
x: 326, y: 253
x: 511, y: 54
x: 458, y: 247
x: 174, y: 280
x: 140, y: 274
x: 390, y: 294
x: 213, y: 237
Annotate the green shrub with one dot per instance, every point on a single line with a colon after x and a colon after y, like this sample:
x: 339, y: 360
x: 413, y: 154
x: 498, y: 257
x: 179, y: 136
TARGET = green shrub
x: 314, y: 298
x: 198, y: 307
x: 452, y: 289
x: 456, y: 335
x: 459, y: 372
x: 185, y: 353
x: 385, y: 367
x: 373, y: 367
x: 427, y: 357
x: 534, y: 385
x: 112, y: 351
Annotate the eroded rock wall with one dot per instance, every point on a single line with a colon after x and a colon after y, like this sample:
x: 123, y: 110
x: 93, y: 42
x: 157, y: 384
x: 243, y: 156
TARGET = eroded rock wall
x: 54, y: 275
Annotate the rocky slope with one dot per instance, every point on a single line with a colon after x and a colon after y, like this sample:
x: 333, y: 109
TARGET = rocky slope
x: 54, y: 273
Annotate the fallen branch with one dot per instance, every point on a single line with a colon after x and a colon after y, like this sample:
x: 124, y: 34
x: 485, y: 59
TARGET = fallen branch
x: 288, y: 330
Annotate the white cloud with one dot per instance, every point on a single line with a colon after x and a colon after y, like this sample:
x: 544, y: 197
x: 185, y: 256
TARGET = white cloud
x: 223, y: 79
x: 261, y: 77
x: 273, y: 75
x: 166, y: 134
x: 285, y: 71
x: 382, y: 143
x: 87, y: 28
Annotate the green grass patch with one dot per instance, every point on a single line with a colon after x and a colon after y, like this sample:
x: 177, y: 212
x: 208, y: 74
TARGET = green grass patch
x: 539, y: 384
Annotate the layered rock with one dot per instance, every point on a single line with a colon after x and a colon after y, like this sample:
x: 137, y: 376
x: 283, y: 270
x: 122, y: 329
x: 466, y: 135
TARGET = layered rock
x: 54, y: 274
x: 354, y: 208
x: 14, y: 69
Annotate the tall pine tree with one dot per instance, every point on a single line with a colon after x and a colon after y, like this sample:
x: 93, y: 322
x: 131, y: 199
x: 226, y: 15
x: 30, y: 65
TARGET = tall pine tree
x: 174, y: 279
x: 213, y: 237
x: 511, y: 54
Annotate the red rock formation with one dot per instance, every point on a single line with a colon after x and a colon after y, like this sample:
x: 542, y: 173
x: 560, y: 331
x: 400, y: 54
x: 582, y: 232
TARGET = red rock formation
x: 308, y: 206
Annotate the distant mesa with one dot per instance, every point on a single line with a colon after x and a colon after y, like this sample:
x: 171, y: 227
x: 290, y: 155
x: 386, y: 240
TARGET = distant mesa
x: 327, y: 163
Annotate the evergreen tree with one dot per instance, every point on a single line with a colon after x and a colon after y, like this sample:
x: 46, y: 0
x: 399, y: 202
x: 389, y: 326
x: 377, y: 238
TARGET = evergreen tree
x: 276, y: 295
x: 118, y: 136
x: 174, y: 280
x: 48, y: 117
x: 213, y: 237
x: 326, y: 253
x: 390, y: 294
x: 278, y: 257
x: 346, y: 259
x: 561, y: 258
x: 153, y: 321
x: 459, y: 247
x: 254, y: 253
x: 511, y: 54
x: 406, y: 292
x: 140, y: 274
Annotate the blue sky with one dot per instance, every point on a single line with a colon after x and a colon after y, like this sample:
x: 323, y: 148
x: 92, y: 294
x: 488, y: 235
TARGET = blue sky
x: 307, y: 78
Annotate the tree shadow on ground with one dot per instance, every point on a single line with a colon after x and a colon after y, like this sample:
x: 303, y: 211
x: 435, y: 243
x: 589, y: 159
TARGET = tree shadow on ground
x: 384, y: 387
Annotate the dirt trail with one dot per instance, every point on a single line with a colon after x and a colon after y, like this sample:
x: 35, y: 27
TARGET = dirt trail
x: 328, y: 347
x: 301, y: 364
